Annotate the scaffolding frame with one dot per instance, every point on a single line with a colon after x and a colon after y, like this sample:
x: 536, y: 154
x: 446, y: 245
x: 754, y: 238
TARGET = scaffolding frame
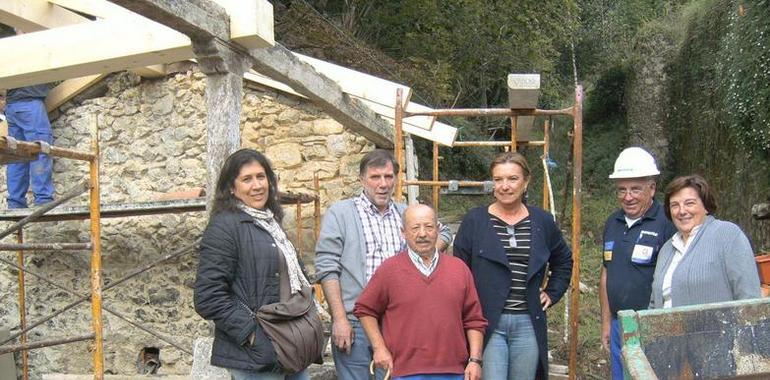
x: 11, y: 151
x: 576, y: 113
x: 14, y: 151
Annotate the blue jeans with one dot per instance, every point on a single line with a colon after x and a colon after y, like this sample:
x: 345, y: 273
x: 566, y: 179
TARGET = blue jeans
x: 431, y: 377
x: 355, y: 365
x: 511, y: 352
x: 28, y: 121
x: 238, y: 374
x: 616, y: 344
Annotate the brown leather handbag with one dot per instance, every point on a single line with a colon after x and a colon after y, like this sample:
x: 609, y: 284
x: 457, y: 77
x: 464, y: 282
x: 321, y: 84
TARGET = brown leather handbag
x: 295, y: 330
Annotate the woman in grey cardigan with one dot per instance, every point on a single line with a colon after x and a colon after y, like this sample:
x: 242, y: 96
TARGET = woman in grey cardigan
x: 708, y: 260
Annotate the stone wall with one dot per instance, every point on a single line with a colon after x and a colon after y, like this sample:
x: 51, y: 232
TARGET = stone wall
x: 152, y: 136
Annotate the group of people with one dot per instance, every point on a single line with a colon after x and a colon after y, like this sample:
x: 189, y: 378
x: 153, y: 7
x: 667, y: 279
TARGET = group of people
x: 668, y: 255
x: 402, y: 307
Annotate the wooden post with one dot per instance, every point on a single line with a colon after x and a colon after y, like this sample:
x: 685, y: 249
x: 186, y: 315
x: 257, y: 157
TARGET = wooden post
x: 399, y: 147
x: 435, y: 188
x: 412, y: 169
x: 577, y: 170
x: 546, y: 192
x: 514, y: 133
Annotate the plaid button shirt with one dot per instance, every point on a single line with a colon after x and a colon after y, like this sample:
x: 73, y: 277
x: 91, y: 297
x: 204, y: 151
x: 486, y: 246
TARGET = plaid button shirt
x: 382, y: 232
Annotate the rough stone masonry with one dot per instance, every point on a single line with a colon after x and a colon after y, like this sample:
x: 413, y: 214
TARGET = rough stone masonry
x: 152, y: 136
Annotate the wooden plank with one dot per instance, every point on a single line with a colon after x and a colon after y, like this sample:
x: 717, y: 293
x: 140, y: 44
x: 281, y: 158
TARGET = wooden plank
x: 251, y: 22
x: 263, y: 80
x: 36, y: 15
x: 152, y: 71
x: 441, y: 133
x: 421, y: 122
x: 198, y: 19
x: 359, y: 84
x: 97, y: 8
x: 280, y: 64
x: 438, y: 132
x: 53, y: 55
x: 69, y: 89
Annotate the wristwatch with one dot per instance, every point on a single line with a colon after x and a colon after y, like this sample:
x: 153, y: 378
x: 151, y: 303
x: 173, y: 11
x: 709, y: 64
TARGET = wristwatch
x: 477, y: 361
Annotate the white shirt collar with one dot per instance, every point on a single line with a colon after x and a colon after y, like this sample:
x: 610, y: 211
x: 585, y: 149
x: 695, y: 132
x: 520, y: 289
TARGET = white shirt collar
x: 678, y: 241
x: 420, y: 264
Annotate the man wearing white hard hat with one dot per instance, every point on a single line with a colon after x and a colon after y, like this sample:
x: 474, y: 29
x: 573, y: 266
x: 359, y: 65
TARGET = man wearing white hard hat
x: 633, y: 236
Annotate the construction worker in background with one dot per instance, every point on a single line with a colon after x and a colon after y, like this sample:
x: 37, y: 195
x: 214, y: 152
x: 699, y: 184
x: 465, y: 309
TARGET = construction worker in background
x: 28, y: 121
x: 633, y: 236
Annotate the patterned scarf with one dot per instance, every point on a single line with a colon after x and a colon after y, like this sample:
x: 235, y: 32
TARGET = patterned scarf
x: 264, y: 218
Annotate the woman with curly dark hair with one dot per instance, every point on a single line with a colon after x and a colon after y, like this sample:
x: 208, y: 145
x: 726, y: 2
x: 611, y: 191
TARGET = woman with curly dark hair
x: 246, y: 261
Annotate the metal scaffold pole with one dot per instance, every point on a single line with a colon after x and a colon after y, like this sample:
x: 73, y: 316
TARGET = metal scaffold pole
x: 96, y: 255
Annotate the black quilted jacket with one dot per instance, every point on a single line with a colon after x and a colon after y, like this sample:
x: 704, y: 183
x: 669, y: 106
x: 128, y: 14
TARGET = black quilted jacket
x: 238, y: 264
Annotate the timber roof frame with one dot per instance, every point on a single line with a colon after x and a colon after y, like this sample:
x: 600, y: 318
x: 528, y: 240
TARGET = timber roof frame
x: 179, y: 24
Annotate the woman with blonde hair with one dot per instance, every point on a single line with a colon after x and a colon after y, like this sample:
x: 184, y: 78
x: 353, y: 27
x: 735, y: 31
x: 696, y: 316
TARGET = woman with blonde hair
x: 509, y: 247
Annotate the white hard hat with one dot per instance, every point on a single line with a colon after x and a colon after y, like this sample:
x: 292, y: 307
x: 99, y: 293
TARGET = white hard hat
x: 634, y: 162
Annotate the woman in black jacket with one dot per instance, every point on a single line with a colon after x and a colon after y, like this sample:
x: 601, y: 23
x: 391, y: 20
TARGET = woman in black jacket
x: 243, y: 255
x: 509, y: 245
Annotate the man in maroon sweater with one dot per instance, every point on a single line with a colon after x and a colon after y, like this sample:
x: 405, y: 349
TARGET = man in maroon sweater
x: 432, y: 325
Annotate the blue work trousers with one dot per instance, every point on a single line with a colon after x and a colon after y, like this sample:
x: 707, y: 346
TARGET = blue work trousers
x: 616, y: 344
x: 28, y: 121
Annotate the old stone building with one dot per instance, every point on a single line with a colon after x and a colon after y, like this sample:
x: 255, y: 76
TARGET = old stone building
x: 152, y: 136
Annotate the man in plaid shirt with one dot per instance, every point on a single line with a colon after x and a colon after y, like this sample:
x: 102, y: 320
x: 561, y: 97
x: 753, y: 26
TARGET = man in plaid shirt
x: 357, y: 235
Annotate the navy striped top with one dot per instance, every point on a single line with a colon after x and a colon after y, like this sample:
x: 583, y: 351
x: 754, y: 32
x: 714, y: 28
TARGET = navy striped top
x: 516, y: 242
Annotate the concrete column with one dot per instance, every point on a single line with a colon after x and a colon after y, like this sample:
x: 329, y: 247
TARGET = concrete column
x: 224, y: 87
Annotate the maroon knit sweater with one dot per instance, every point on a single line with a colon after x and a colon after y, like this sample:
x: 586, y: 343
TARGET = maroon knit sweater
x: 423, y: 319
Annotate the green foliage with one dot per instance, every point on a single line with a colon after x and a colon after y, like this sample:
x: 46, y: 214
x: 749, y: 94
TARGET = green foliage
x: 745, y: 60
x: 705, y: 137
x: 608, y: 29
x: 475, y: 43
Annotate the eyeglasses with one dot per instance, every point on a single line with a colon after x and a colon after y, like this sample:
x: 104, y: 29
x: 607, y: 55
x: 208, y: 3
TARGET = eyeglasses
x: 512, y: 240
x: 634, y: 191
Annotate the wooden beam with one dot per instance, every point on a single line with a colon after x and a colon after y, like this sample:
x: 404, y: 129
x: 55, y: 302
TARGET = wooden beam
x: 248, y: 23
x: 251, y: 22
x: 69, y: 89
x: 59, y: 54
x: 198, y: 19
x: 359, y: 84
x: 97, y: 8
x: 280, y: 64
x: 152, y: 71
x: 420, y: 122
x: 439, y: 132
x: 36, y: 15
x: 255, y: 77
